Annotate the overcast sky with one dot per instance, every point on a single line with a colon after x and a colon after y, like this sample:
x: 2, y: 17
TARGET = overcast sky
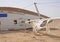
x: 49, y: 8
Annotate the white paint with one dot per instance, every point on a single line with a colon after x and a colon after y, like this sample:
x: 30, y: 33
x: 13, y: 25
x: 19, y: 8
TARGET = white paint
x: 8, y: 22
x: 36, y: 24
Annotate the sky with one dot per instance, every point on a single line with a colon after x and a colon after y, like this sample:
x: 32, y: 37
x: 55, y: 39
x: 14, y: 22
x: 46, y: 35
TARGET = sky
x: 49, y: 8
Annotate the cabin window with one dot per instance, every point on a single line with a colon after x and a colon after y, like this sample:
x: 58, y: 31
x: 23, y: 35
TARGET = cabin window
x: 28, y: 19
x: 43, y: 23
x: 41, y: 18
x: 15, y: 21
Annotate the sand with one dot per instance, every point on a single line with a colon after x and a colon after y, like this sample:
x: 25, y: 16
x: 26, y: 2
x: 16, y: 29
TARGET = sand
x: 29, y: 36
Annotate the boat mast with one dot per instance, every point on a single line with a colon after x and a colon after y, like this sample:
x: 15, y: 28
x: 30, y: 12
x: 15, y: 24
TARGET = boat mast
x: 35, y: 4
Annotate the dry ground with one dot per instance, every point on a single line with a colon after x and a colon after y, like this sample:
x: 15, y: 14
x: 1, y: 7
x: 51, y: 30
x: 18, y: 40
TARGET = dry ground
x: 28, y: 36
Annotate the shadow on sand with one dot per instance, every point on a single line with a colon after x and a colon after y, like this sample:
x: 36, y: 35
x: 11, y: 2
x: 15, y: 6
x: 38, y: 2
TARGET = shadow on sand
x: 30, y: 30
